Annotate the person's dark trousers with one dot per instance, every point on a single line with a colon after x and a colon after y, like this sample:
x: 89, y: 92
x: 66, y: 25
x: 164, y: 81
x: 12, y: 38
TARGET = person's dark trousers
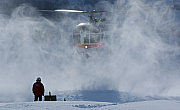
x: 36, y: 98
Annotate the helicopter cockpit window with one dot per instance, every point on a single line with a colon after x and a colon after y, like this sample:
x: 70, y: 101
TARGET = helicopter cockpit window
x: 95, y: 39
x: 87, y: 35
x: 86, y: 40
x: 94, y: 30
x: 83, y: 29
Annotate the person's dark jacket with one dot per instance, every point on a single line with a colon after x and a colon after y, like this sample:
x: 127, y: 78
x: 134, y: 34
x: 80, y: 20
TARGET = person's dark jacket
x: 38, y: 89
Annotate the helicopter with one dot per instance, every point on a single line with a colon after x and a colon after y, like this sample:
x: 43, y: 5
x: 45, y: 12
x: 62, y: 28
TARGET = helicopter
x: 91, y: 37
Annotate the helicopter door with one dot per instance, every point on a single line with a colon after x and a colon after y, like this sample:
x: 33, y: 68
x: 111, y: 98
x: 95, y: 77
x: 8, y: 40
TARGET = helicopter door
x: 82, y: 36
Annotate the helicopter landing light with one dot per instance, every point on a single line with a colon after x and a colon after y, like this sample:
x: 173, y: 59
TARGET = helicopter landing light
x: 87, y: 46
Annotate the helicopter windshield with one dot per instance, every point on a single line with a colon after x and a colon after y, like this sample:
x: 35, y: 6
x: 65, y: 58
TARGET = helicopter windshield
x: 93, y: 39
x: 86, y: 27
x: 87, y: 34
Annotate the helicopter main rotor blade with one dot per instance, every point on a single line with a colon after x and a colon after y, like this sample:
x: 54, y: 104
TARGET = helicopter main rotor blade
x: 94, y: 11
x: 71, y: 11
x: 63, y: 10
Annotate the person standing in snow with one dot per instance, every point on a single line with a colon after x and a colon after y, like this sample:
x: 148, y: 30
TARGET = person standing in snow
x: 38, y: 89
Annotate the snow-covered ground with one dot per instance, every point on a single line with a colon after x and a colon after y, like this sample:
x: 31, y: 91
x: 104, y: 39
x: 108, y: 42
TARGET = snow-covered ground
x: 78, y: 105
x: 98, y: 100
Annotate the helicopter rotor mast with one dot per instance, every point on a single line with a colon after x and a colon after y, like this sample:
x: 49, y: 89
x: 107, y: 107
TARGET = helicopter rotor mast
x: 91, y: 14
